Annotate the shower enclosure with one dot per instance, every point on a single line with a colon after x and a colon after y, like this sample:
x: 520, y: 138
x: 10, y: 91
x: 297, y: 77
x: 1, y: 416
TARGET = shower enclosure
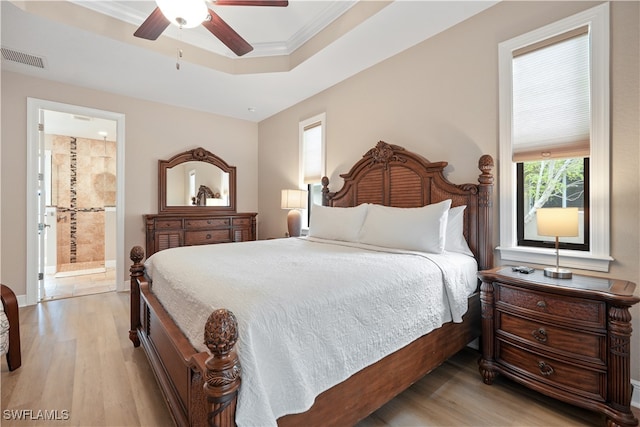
x: 80, y: 205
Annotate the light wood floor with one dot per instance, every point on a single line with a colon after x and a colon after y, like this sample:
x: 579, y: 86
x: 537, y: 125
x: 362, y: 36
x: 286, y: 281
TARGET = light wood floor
x: 79, y: 285
x: 76, y: 357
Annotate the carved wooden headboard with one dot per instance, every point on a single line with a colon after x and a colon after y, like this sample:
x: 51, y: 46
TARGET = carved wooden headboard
x: 392, y: 176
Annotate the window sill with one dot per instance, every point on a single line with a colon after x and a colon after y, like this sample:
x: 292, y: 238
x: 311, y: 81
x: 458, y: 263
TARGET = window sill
x: 544, y: 256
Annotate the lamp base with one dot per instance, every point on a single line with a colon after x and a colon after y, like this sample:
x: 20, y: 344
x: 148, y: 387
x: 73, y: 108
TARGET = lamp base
x: 294, y: 223
x: 557, y: 273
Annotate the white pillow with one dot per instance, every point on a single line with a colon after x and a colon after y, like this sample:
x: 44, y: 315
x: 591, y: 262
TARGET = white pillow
x: 417, y: 229
x: 455, y: 241
x: 337, y: 223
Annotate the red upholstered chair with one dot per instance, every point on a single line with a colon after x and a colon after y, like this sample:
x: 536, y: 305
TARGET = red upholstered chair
x: 10, y: 306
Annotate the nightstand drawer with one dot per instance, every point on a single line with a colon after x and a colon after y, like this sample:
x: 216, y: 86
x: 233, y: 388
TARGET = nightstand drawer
x: 572, y: 309
x: 207, y: 223
x: 206, y: 237
x: 572, y: 378
x: 569, y: 342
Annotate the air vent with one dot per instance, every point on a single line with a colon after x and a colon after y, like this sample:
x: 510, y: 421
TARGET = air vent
x: 22, y: 58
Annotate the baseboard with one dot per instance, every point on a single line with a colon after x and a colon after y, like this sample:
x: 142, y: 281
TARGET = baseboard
x: 635, y: 396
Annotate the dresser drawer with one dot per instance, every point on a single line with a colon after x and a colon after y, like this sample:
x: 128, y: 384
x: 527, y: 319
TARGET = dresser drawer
x: 586, y: 346
x: 572, y: 378
x: 206, y: 237
x: 168, y: 224
x: 241, y: 222
x: 573, y: 309
x: 207, y: 223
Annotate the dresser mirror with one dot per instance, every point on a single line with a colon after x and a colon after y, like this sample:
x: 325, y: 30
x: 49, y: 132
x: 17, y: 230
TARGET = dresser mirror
x: 196, y: 181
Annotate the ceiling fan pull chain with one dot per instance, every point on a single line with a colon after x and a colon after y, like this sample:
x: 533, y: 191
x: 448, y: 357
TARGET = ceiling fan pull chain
x: 179, y: 56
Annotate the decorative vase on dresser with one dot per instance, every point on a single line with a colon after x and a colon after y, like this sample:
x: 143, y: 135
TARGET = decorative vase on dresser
x: 566, y: 338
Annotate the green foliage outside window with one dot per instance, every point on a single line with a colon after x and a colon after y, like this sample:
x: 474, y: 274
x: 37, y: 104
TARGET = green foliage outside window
x: 553, y: 183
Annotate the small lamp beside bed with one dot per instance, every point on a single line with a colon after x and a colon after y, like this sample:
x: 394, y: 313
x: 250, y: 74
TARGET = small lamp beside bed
x: 557, y: 222
x: 294, y: 200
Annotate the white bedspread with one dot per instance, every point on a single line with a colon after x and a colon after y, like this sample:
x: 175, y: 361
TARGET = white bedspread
x: 4, y: 332
x: 310, y: 312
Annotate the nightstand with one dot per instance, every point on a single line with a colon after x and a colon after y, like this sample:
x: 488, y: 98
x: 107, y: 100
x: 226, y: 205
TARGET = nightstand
x: 566, y: 338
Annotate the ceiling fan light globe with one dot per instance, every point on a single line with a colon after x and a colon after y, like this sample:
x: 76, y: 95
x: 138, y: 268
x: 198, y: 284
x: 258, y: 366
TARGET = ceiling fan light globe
x: 184, y: 13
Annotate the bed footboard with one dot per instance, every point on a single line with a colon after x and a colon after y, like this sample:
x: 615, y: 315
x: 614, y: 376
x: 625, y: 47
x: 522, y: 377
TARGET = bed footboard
x: 200, y: 388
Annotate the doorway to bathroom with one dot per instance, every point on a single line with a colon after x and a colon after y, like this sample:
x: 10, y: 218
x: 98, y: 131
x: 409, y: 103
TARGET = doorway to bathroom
x: 80, y: 201
x: 77, y: 153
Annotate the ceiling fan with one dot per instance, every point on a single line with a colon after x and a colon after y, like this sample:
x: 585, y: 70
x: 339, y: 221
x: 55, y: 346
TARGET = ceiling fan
x: 190, y: 14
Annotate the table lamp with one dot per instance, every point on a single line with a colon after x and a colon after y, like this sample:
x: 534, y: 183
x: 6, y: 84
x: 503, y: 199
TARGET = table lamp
x: 294, y: 200
x: 557, y: 222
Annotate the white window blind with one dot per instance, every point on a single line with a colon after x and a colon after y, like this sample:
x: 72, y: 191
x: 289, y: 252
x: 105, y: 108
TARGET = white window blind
x: 312, y: 153
x: 551, y: 110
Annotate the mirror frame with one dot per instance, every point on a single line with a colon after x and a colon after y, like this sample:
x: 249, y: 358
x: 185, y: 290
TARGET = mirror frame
x: 198, y: 155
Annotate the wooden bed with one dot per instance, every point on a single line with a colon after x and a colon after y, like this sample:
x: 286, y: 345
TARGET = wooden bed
x: 201, y: 387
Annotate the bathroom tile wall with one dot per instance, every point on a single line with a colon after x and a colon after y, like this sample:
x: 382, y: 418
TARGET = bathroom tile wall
x: 83, y: 182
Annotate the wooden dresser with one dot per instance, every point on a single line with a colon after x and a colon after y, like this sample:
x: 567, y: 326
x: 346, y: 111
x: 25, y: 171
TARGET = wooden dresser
x: 168, y: 231
x: 566, y: 338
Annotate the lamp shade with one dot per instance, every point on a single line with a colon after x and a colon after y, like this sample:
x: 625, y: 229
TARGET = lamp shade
x: 184, y: 13
x: 558, y: 222
x: 294, y: 199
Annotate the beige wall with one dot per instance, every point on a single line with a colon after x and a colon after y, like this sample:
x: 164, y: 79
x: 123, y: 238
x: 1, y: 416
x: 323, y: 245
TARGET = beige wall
x: 153, y: 131
x: 440, y: 98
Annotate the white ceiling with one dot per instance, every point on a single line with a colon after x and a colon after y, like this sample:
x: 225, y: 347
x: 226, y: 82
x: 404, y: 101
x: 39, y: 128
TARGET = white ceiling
x: 98, y: 49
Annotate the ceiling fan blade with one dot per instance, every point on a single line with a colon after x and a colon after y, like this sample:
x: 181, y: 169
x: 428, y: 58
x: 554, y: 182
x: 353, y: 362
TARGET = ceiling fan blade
x: 226, y: 34
x: 277, y: 3
x: 153, y: 26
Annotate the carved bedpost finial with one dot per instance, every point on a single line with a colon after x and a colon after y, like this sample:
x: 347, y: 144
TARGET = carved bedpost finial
x: 137, y: 254
x: 485, y: 164
x: 222, y: 378
x: 325, y: 191
x: 221, y: 332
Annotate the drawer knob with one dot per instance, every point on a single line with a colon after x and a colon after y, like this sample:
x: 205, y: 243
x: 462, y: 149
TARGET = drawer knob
x: 208, y: 236
x: 545, y: 369
x: 540, y: 335
x: 542, y: 304
x: 209, y: 222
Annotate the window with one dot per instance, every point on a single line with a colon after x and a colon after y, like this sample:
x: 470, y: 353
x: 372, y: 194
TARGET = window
x: 554, y: 138
x: 312, y: 161
x: 550, y: 132
x: 556, y: 183
x: 192, y: 193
